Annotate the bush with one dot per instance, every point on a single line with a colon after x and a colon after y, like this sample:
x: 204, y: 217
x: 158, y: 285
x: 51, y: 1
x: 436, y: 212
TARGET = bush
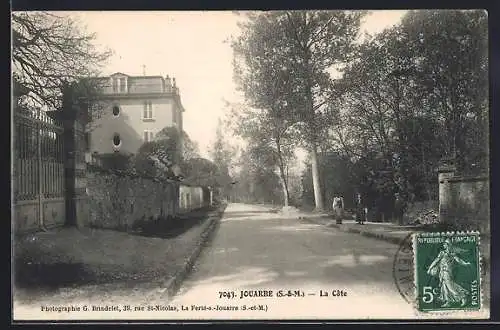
x: 115, y: 161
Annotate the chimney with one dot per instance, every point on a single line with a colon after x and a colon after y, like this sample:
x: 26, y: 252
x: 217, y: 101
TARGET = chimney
x: 143, y: 70
x: 168, y: 84
x: 174, y: 86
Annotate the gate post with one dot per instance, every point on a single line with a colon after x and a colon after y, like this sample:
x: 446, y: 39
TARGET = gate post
x: 77, y: 213
x: 446, y: 171
x: 38, y: 116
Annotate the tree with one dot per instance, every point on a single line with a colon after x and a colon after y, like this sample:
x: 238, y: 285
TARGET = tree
x: 162, y: 156
x: 222, y: 155
x: 201, y: 171
x: 49, y: 50
x: 401, y: 109
x: 302, y: 46
x: 257, y: 181
x: 190, y: 149
x: 269, y: 140
x: 186, y: 147
x: 456, y: 80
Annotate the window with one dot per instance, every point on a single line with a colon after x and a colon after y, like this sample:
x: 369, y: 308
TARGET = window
x: 116, y: 110
x: 148, y: 136
x: 148, y: 110
x: 119, y: 85
x: 116, y: 140
x: 122, y: 85
x: 174, y: 116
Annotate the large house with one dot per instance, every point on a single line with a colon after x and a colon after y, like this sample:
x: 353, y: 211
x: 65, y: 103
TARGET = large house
x: 133, y: 110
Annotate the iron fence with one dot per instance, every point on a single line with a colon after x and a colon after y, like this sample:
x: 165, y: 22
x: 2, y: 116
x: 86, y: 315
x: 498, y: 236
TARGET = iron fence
x: 38, y: 160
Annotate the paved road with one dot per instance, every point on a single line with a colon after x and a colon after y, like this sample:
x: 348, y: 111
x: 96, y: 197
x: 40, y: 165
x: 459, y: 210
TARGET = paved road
x: 258, y: 250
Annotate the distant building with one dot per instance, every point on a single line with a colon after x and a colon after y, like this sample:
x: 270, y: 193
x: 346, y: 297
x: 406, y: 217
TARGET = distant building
x: 134, y: 110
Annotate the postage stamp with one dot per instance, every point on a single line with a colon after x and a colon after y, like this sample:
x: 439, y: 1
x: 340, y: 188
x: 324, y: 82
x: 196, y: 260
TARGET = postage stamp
x: 447, y: 271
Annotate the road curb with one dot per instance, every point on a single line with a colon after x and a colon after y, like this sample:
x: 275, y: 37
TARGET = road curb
x: 381, y: 236
x: 172, y: 285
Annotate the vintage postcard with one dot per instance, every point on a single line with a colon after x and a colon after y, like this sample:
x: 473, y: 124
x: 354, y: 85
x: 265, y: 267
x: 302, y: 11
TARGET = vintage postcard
x: 250, y: 165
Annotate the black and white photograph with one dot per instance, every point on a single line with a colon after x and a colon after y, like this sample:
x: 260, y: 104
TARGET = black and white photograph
x: 250, y: 165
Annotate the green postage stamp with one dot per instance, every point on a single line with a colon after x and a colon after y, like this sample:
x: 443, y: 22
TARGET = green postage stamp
x: 447, y: 271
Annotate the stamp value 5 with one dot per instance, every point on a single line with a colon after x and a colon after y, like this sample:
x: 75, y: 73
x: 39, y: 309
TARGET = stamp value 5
x: 447, y: 271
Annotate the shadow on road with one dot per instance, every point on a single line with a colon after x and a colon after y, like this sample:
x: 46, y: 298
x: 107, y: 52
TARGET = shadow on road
x: 235, y: 214
x: 283, y: 251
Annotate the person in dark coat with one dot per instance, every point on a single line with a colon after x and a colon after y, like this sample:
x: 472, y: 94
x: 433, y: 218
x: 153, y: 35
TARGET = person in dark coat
x: 360, y: 210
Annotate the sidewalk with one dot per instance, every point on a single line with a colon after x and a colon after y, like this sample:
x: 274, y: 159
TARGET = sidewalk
x: 69, y: 264
x: 388, y: 232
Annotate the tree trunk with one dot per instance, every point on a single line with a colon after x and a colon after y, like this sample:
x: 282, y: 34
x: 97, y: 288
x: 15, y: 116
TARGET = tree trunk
x: 315, y: 176
x: 284, y: 180
x: 285, y: 193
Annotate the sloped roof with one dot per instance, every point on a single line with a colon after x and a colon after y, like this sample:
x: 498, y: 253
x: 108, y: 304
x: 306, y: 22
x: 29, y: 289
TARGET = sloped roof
x: 119, y: 74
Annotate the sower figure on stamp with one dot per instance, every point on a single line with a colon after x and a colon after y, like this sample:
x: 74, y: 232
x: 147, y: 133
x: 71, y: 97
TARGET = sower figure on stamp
x: 442, y: 267
x: 338, y: 209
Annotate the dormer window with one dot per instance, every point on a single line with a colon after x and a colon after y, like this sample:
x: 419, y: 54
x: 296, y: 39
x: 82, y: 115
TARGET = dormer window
x: 123, y: 85
x: 119, y: 84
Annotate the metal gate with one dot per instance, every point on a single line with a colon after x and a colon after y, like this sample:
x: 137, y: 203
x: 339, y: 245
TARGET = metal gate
x: 38, y: 171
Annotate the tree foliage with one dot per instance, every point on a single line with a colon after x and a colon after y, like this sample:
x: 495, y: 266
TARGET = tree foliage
x: 162, y: 156
x: 222, y: 155
x: 269, y: 140
x: 190, y: 148
x: 47, y: 51
x: 257, y: 181
x: 201, y: 171
x: 286, y: 56
x: 413, y: 94
x: 336, y: 179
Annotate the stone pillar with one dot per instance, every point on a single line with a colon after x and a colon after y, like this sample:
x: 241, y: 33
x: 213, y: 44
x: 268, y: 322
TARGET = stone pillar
x: 74, y: 119
x: 445, y: 171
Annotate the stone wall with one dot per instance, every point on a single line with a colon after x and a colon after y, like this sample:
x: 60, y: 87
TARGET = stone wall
x: 119, y: 201
x: 464, y: 202
x: 190, y: 197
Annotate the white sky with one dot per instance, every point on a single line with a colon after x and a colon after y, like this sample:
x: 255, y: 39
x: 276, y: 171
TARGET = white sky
x: 190, y: 47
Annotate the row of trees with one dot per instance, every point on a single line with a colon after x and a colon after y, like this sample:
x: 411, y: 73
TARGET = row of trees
x: 405, y: 98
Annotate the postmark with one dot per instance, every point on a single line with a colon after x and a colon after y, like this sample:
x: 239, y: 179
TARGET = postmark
x: 403, y: 270
x: 447, y: 271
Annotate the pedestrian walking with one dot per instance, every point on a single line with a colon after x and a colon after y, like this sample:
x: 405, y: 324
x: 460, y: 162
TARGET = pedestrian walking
x: 399, y: 208
x: 360, y: 210
x: 338, y: 208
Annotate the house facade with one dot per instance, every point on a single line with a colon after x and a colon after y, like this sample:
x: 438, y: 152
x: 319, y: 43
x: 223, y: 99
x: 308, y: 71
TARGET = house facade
x: 133, y: 109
